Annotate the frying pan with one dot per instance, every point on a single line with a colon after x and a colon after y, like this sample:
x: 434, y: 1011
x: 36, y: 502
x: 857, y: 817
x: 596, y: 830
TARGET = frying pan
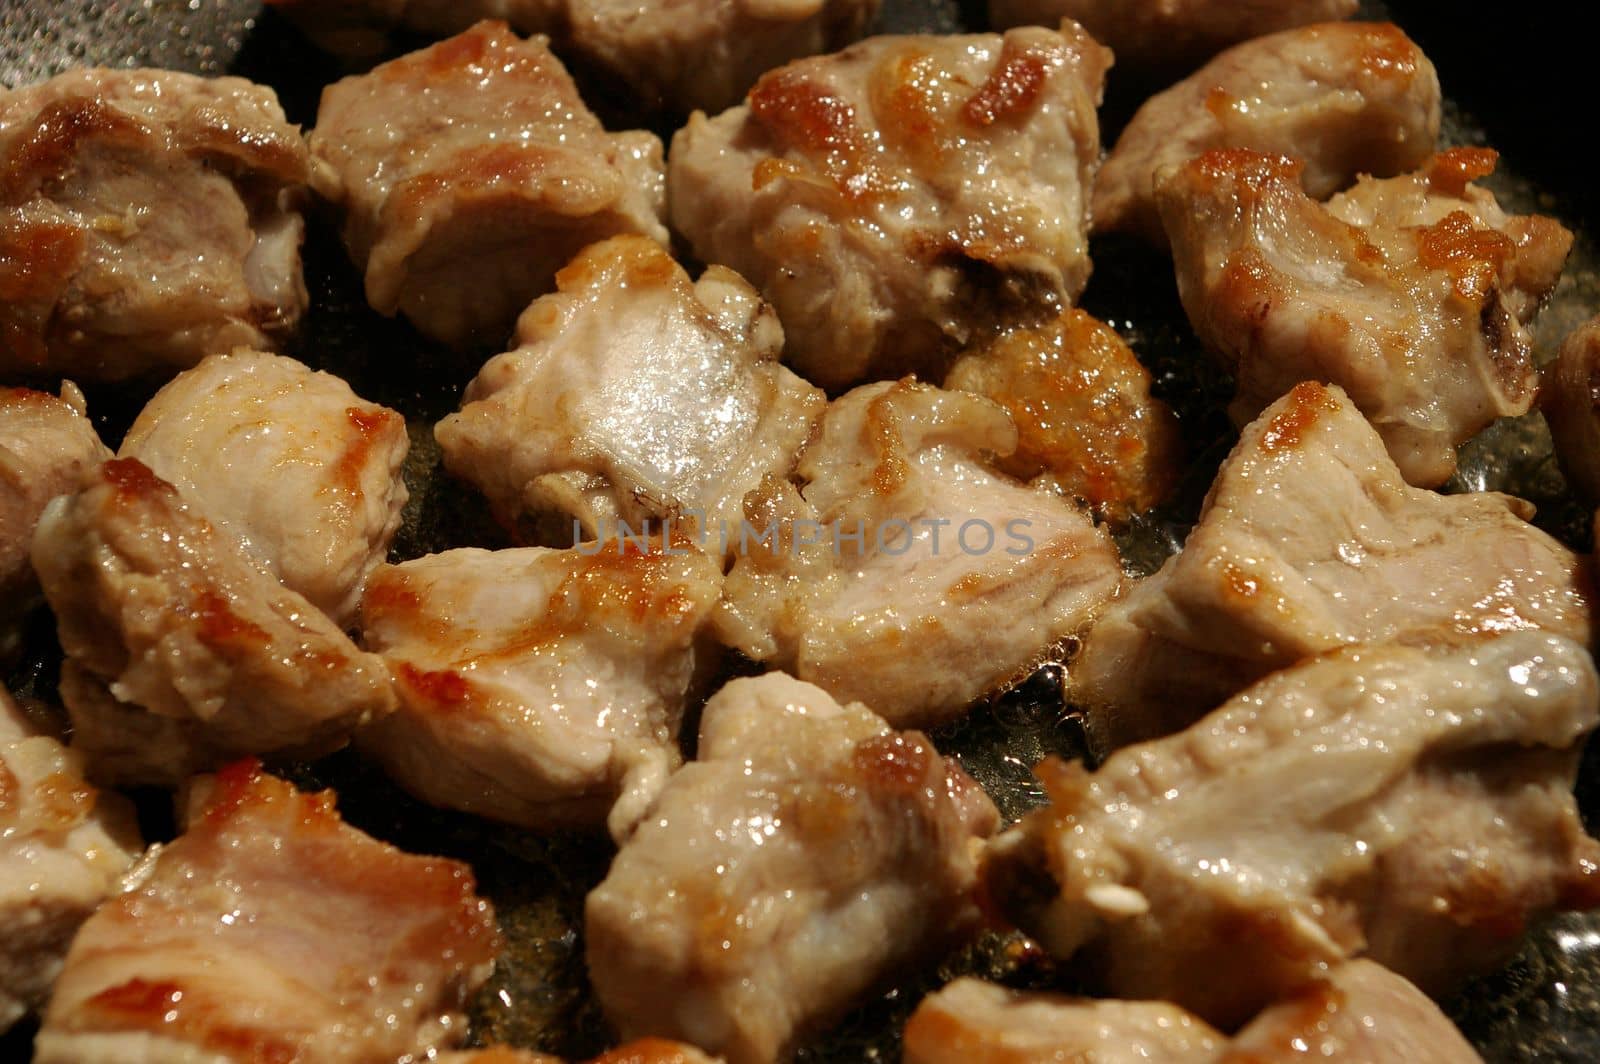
x: 1501, y: 78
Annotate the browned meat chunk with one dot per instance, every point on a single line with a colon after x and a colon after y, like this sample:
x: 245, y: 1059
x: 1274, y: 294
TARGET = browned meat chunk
x: 1418, y: 320
x: 1344, y: 98
x: 903, y: 536
x: 1310, y: 540
x: 1571, y: 403
x: 634, y: 395
x: 895, y: 199
x: 1411, y: 805
x: 182, y: 650
x: 292, y: 462
x: 1164, y: 34
x: 541, y: 687
x: 147, y: 219
x: 807, y: 855
x: 471, y: 171
x: 706, y: 54
x: 272, y: 931
x: 63, y: 849
x: 1087, y: 425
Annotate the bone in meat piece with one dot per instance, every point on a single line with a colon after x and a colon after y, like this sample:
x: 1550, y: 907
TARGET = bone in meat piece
x: 1344, y: 98
x: 272, y: 931
x: 810, y: 853
x: 182, y: 650
x: 1087, y: 425
x: 147, y: 219
x: 46, y: 444
x: 471, y: 171
x: 1170, y: 34
x: 895, y: 199
x: 292, y: 462
x: 1419, y: 323
x: 707, y: 53
x: 63, y: 849
x: 541, y: 687
x: 1309, y: 540
x: 634, y: 395
x: 906, y: 572
x: 1411, y: 805
x: 974, y: 1022
x: 1571, y: 403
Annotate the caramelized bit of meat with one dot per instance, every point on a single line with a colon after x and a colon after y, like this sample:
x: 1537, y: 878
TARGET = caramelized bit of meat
x: 271, y: 931
x: 290, y: 461
x: 1571, y: 403
x: 540, y: 687
x: 63, y: 848
x: 469, y: 173
x: 635, y: 396
x: 895, y: 200
x: 147, y: 219
x: 903, y: 536
x: 1412, y: 301
x: 1086, y: 423
x: 1412, y: 805
x: 1309, y: 539
x: 807, y: 855
x: 182, y: 650
x: 1346, y: 99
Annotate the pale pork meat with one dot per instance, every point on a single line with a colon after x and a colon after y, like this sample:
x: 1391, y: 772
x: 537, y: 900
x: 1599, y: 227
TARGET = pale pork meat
x: 704, y: 54
x: 1087, y: 425
x: 906, y: 572
x: 1410, y: 805
x: 894, y: 200
x: 541, y: 687
x: 973, y: 1022
x: 1310, y: 540
x: 471, y: 171
x: 46, y: 444
x: 272, y: 931
x: 808, y: 854
x: 1346, y: 99
x: 1418, y: 321
x: 1571, y: 403
x: 364, y: 29
x: 147, y: 219
x: 182, y: 650
x: 634, y: 395
x: 64, y: 847
x: 290, y: 461
x: 1166, y: 34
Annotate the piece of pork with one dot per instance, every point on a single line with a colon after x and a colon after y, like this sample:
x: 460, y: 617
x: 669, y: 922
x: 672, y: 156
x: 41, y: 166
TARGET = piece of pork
x: 1571, y: 403
x: 182, y: 650
x: 906, y: 572
x: 974, y: 1022
x: 64, y: 847
x: 541, y: 687
x: 290, y: 461
x: 1410, y: 804
x: 272, y: 931
x: 705, y: 54
x: 469, y: 173
x: 1157, y: 35
x: 1345, y: 98
x: 148, y: 218
x: 641, y: 1051
x: 1309, y: 540
x: 365, y: 29
x: 895, y: 199
x: 634, y: 395
x: 46, y: 444
x: 1418, y: 322
x: 809, y: 854
x: 1087, y: 425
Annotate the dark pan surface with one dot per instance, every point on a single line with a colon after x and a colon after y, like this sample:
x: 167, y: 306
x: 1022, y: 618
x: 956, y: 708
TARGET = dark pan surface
x: 1502, y: 84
